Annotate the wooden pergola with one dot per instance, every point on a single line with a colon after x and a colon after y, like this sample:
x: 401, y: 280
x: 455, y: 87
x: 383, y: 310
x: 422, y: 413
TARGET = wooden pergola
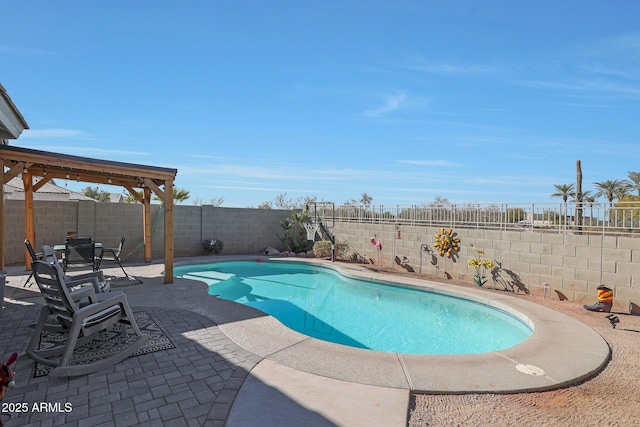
x: 47, y: 165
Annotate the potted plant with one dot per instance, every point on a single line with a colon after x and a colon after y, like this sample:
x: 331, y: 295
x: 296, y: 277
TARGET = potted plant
x: 212, y: 247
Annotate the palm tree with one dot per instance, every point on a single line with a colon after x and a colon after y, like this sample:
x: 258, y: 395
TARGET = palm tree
x: 565, y: 191
x: 588, y: 199
x: 179, y: 195
x: 611, y: 189
x: 634, y: 183
x: 366, y: 199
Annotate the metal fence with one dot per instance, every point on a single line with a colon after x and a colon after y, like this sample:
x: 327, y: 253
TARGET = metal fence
x: 570, y: 217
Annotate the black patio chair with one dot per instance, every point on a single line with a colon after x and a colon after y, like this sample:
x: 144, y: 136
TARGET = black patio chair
x: 112, y: 255
x: 79, y: 253
x: 34, y: 257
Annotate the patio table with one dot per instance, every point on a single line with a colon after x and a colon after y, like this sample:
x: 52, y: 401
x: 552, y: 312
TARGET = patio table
x: 62, y: 247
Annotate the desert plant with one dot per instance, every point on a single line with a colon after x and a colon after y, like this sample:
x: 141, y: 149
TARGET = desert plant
x: 294, y: 235
x: 212, y: 247
x: 322, y: 249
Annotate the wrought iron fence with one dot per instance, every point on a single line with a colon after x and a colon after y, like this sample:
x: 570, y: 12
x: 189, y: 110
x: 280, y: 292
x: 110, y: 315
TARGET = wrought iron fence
x: 570, y: 217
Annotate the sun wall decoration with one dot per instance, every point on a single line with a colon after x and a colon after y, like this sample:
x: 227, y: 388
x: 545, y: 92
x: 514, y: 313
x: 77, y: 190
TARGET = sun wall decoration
x: 446, y: 242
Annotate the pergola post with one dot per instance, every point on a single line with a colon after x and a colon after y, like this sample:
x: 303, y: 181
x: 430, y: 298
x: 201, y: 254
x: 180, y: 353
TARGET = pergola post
x: 146, y: 219
x: 29, y: 216
x: 168, y: 231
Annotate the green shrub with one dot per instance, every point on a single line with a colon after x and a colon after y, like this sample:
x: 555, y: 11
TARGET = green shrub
x: 322, y: 249
x: 212, y: 247
x: 294, y: 235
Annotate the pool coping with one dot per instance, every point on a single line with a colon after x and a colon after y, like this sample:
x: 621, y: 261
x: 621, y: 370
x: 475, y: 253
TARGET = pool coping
x: 560, y: 352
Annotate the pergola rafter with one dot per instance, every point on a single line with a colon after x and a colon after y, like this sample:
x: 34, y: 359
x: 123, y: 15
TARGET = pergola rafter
x: 47, y: 165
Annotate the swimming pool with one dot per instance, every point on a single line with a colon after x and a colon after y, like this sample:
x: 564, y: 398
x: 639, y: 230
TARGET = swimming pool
x: 321, y: 303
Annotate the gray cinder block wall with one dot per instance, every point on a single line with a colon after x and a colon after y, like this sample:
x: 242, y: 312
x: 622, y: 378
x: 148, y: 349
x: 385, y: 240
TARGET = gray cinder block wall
x: 243, y: 231
x: 547, y: 264
x: 559, y: 266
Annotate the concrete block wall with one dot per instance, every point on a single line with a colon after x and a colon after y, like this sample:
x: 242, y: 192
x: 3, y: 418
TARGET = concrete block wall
x: 113, y: 220
x: 560, y: 266
x: 242, y: 230
x: 556, y: 265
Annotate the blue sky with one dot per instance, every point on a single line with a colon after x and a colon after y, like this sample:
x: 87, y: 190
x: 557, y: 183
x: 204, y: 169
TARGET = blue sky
x: 407, y: 100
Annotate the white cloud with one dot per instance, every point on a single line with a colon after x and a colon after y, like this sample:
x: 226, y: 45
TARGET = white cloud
x: 627, y: 45
x: 91, y: 151
x: 276, y: 172
x: 391, y: 103
x: 585, y: 86
x: 55, y: 133
x: 24, y: 51
x: 420, y: 63
x: 258, y: 188
x: 437, y: 163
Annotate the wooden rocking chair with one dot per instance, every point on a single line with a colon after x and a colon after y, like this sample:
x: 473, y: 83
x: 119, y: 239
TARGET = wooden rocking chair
x: 82, y: 324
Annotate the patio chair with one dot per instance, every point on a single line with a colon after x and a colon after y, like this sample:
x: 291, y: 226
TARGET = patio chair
x: 113, y: 257
x: 79, y: 253
x: 96, y: 278
x: 81, y: 324
x: 34, y: 257
x: 74, y: 239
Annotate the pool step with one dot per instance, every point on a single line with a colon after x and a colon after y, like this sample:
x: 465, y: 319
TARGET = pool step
x: 211, y: 277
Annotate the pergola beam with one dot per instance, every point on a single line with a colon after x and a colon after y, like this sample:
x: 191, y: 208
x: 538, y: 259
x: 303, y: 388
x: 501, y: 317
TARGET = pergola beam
x: 13, y: 171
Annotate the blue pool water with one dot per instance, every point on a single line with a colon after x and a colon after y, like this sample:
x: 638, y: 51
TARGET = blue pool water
x: 321, y: 303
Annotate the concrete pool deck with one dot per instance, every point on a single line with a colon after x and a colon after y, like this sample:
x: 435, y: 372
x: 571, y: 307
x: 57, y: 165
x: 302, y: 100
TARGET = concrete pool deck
x: 235, y: 366
x: 561, y: 350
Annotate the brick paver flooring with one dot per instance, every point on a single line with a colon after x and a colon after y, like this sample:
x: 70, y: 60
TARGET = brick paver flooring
x: 193, y: 384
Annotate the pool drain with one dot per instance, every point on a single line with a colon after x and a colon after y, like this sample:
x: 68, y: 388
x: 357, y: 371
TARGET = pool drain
x: 529, y: 369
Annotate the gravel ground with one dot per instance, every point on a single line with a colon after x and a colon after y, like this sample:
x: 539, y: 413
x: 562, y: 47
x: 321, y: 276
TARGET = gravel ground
x: 612, y: 398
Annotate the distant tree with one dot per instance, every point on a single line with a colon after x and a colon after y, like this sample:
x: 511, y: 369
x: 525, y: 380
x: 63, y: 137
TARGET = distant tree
x: 366, y: 199
x: 589, y: 199
x: 634, y: 182
x: 439, y: 208
x: 214, y: 201
x: 440, y: 202
x: 282, y: 201
x: 128, y: 197
x: 611, y: 189
x: 565, y: 191
x: 179, y: 195
x: 515, y: 214
x: 310, y: 199
x: 629, y: 211
x: 95, y: 193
